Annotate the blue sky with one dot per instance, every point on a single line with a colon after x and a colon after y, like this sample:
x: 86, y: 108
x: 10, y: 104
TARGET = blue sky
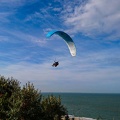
x: 26, y: 54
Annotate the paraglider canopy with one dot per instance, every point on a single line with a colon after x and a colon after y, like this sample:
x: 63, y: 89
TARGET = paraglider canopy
x: 66, y: 38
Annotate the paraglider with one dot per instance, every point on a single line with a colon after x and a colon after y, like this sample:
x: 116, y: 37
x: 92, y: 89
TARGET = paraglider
x: 55, y: 64
x: 68, y: 40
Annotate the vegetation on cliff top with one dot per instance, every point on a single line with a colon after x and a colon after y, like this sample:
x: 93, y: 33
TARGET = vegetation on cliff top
x: 27, y: 103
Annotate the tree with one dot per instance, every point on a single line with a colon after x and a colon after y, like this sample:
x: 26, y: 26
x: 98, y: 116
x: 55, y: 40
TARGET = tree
x: 52, y: 108
x: 9, y: 92
x: 31, y: 103
x: 27, y: 103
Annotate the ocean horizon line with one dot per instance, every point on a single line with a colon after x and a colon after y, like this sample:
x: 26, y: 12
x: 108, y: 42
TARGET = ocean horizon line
x: 76, y: 93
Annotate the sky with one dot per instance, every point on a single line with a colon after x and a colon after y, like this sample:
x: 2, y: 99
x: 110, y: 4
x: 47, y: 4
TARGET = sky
x: 27, y: 55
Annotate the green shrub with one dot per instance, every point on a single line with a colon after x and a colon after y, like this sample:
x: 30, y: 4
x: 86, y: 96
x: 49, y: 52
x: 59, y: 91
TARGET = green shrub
x: 52, y: 108
x: 27, y: 103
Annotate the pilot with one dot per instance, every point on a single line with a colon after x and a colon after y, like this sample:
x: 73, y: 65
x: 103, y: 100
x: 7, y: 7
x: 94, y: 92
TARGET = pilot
x: 55, y: 64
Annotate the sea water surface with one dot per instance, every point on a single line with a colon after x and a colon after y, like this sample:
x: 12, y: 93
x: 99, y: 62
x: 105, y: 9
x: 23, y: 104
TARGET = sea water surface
x: 105, y: 106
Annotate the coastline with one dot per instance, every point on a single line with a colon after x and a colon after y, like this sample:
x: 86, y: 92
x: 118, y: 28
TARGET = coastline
x: 80, y: 118
x: 72, y: 117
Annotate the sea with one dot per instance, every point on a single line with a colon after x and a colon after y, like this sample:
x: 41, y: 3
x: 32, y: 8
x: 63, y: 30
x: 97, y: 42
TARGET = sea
x: 92, y: 105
